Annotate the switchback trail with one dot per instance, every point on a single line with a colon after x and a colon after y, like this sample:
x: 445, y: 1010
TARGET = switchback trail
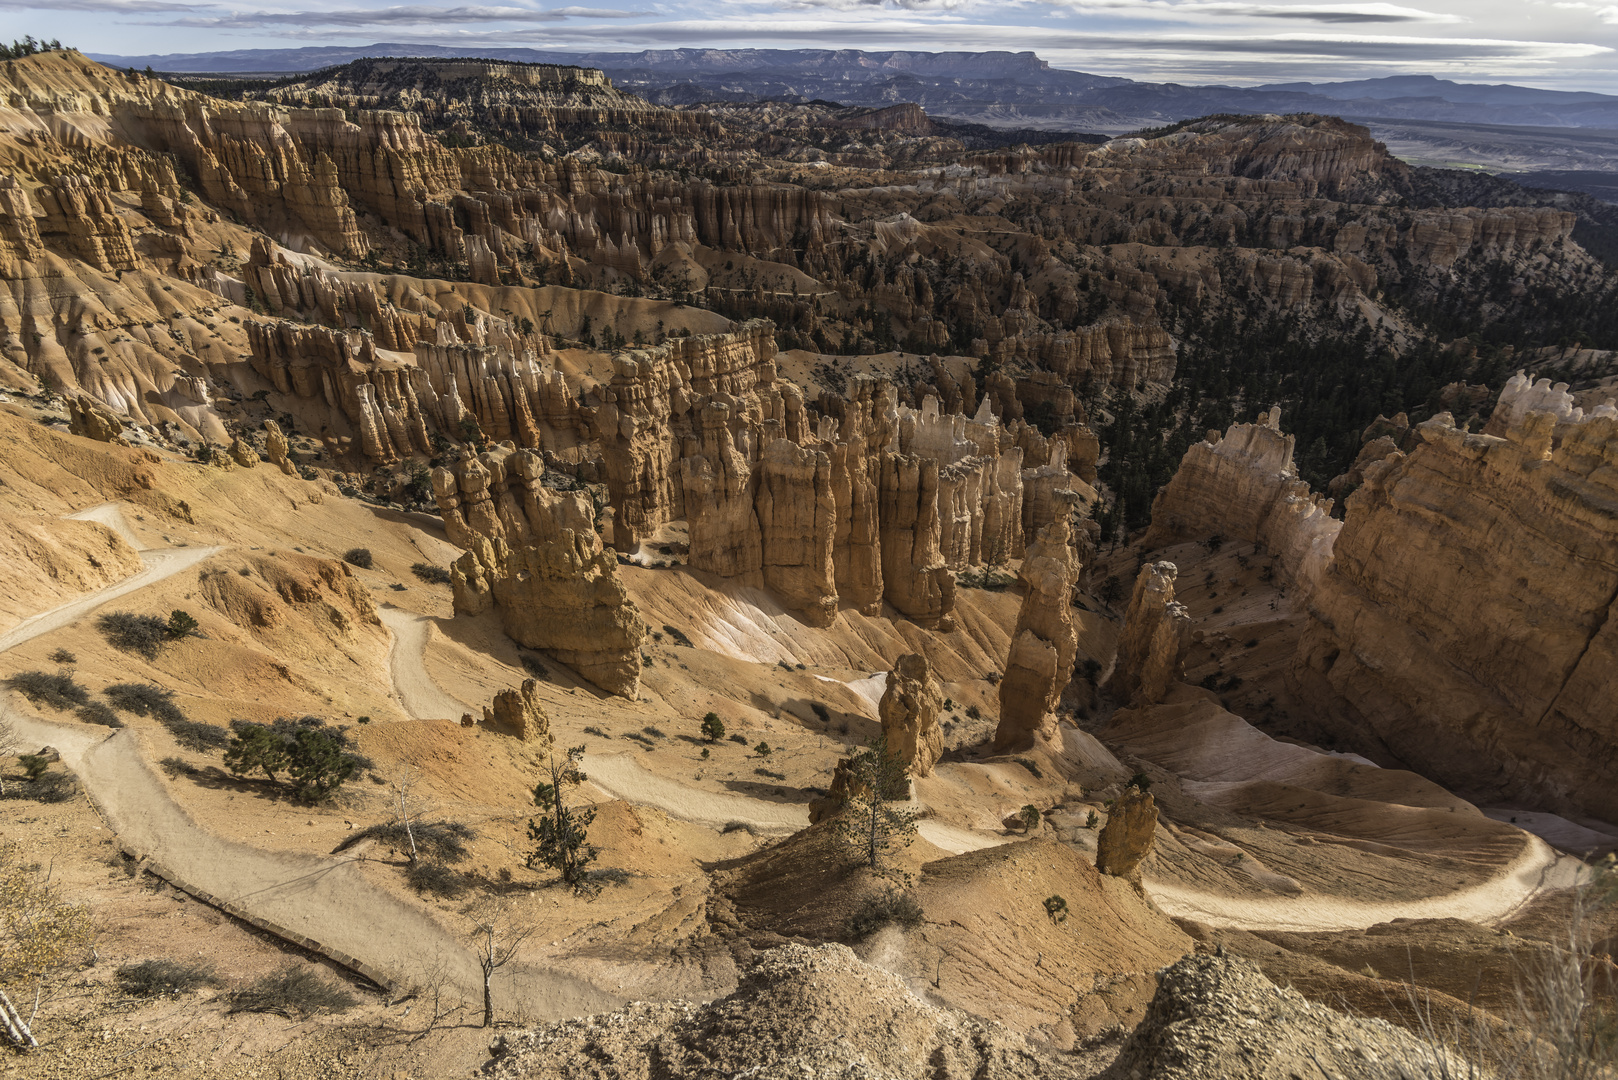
x: 323, y: 899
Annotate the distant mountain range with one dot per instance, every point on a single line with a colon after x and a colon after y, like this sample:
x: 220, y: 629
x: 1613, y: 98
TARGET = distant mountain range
x: 1001, y: 88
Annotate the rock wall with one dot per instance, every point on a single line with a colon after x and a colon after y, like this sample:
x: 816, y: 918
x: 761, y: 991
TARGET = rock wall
x: 797, y: 514
x: 1466, y: 619
x: 914, y: 577
x: 501, y: 494
x: 1244, y: 486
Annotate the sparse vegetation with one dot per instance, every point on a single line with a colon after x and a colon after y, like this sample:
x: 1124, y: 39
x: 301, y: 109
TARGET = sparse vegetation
x: 173, y: 766
x: 294, y: 992
x: 432, y: 575
x: 1056, y: 908
x: 1031, y: 766
x: 99, y: 712
x: 437, y: 880
x: 739, y: 738
x: 313, y: 756
x: 41, y: 934
x: 360, y: 557
x: 561, y: 832
x: 143, y: 635
x: 158, y: 978
x: 1030, y: 817
x: 678, y: 636
x: 597, y: 732
x: 822, y: 713
x: 763, y: 749
x: 869, y: 822
x: 892, y: 906
x: 62, y: 656
x: 768, y: 773
x: 58, y: 691
x: 144, y: 699
x: 713, y: 728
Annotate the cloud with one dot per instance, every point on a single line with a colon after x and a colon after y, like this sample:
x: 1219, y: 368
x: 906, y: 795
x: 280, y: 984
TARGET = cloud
x: 114, y: 6
x: 401, y: 15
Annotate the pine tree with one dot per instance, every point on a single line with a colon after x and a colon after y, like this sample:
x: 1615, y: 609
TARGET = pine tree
x: 561, y: 832
x: 870, y: 823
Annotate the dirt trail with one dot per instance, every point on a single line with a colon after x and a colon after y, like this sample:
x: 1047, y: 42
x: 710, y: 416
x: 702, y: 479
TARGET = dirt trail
x: 321, y: 898
x: 112, y: 516
x: 421, y: 697
x: 1537, y: 869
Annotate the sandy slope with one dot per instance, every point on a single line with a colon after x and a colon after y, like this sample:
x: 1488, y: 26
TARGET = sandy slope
x: 315, y: 897
x: 420, y: 696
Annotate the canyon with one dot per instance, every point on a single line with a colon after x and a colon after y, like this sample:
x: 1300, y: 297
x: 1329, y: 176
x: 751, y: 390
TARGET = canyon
x: 569, y: 463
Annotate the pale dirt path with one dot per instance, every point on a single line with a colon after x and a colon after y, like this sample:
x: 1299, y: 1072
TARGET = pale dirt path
x: 324, y: 899
x: 620, y: 776
x: 159, y: 565
x: 112, y: 516
x: 407, y: 663
x: 1536, y: 870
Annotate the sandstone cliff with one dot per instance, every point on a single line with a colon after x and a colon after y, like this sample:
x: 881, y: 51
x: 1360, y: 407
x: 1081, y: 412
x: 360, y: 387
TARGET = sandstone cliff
x: 909, y: 712
x: 1466, y: 616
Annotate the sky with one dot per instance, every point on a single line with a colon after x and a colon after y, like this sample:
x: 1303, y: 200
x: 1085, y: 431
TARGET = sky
x: 1560, y: 44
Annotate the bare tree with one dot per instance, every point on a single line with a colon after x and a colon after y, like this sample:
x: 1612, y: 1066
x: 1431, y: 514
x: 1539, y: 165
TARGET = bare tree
x: 402, y: 799
x: 496, y: 939
x: 435, y: 991
x: 8, y: 745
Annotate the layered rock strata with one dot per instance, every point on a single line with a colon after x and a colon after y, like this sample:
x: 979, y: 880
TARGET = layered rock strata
x: 1244, y: 486
x: 1154, y: 638
x: 1466, y: 618
x: 562, y: 596
x: 797, y: 522
x: 1044, y: 643
x: 501, y: 494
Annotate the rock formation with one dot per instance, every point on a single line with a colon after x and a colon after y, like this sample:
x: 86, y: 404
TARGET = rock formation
x: 909, y: 712
x: 93, y: 420
x: 797, y: 521
x: 277, y: 450
x: 519, y: 712
x: 562, y: 596
x: 915, y: 579
x: 1126, y: 838
x: 502, y: 493
x: 1044, y: 643
x: 1203, y: 1023
x: 1466, y: 618
x: 1244, y: 486
x: 1152, y: 643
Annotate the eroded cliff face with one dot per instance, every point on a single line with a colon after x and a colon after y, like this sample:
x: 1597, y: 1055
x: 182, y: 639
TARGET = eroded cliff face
x: 1244, y: 486
x: 1466, y: 616
x: 562, y: 596
x: 909, y: 711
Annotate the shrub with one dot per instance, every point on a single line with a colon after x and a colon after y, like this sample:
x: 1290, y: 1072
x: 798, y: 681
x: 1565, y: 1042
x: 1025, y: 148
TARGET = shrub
x: 1139, y: 780
x: 822, y: 713
x: 360, y: 557
x: 432, y: 575
x: 174, y: 766
x: 1028, y: 764
x: 762, y: 749
x: 678, y: 636
x: 62, y: 656
x: 444, y: 841
x: 437, y: 879
x: 59, y: 691
x: 99, y: 712
x: 155, y: 978
x: 144, y: 699
x: 713, y: 728
x: 768, y: 773
x: 1030, y: 817
x: 597, y: 732
x: 1056, y: 908
x: 142, y: 634
x: 974, y: 713
x: 532, y: 665
x: 875, y: 912
x: 654, y: 732
x: 183, y: 624
x: 314, y: 757
x: 739, y: 738
x: 34, y: 765
x: 293, y: 992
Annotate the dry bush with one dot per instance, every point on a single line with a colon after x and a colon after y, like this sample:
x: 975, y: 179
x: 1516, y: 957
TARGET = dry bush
x: 889, y: 906
x: 142, y: 634
x: 432, y: 575
x: 154, y: 978
x: 58, y: 691
x: 293, y: 992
